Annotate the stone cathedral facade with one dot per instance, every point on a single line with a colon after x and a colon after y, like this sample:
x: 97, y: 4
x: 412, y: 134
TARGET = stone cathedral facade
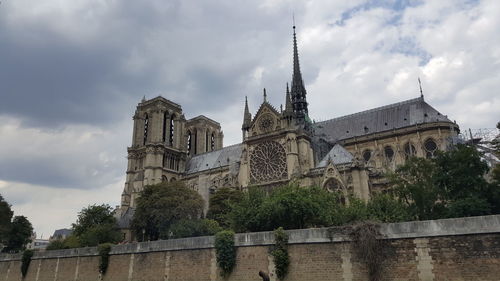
x: 349, y: 154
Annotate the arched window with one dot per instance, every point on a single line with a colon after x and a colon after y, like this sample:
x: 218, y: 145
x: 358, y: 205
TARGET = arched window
x: 195, y: 144
x: 171, y: 139
x: 212, y: 141
x: 334, y: 185
x: 430, y: 148
x: 206, y: 141
x: 389, y: 153
x: 165, y: 117
x: 189, y: 142
x: 410, y: 150
x: 367, y: 155
x: 164, y: 179
x: 146, y: 127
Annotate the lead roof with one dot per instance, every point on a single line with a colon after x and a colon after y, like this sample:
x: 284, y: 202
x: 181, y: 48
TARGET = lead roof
x: 385, y: 118
x: 214, y: 159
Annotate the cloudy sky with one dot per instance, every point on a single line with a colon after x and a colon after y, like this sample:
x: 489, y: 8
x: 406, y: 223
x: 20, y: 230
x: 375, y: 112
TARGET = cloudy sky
x: 72, y: 72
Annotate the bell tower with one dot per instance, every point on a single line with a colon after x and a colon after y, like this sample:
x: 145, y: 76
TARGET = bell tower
x: 158, y: 151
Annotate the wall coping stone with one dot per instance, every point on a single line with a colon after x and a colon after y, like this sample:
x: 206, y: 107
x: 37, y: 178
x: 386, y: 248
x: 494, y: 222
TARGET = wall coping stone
x: 402, y: 230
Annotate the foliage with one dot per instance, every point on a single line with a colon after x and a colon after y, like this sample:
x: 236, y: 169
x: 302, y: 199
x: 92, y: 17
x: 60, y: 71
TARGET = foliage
x: 415, y: 184
x: 289, y: 206
x: 385, y: 208
x: 192, y: 228
x: 104, y: 250
x: 161, y: 205
x: 280, y: 253
x: 5, y: 220
x: 452, y: 184
x: 69, y: 242
x: 220, y: 205
x: 25, y: 261
x: 225, y: 252
x: 96, y: 225
x: 56, y: 245
x: 369, y: 249
x: 19, y: 234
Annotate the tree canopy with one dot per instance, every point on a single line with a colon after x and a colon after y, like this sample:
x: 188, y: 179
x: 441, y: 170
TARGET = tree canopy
x: 19, y: 234
x: 5, y: 220
x: 452, y: 184
x: 95, y: 225
x: 161, y: 205
x: 221, y: 204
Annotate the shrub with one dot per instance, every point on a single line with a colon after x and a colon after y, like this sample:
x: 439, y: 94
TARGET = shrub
x: 225, y: 252
x: 104, y: 250
x: 280, y: 252
x: 25, y: 261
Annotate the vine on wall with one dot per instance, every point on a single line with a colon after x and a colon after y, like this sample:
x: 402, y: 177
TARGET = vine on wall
x: 225, y: 252
x: 369, y: 248
x: 280, y: 253
x: 104, y: 250
x: 25, y: 261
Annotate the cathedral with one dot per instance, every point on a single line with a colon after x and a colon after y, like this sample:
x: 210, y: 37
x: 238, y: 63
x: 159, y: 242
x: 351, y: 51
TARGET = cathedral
x: 348, y: 154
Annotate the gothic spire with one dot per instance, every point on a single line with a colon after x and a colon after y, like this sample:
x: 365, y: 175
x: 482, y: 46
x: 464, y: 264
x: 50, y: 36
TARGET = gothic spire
x: 247, y: 117
x: 288, y: 103
x: 298, y: 93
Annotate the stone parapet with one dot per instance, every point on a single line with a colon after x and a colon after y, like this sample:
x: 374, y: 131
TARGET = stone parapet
x: 403, y: 230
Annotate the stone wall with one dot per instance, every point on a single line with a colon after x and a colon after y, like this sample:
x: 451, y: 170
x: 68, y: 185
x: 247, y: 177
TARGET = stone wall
x: 451, y: 249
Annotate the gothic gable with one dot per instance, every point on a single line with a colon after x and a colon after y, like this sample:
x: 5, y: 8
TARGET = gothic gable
x: 266, y: 120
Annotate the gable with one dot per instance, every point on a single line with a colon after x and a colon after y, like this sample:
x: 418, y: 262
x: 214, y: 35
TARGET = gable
x: 266, y: 120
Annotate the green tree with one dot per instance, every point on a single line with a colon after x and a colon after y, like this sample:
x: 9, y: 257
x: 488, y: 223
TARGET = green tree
x: 5, y: 221
x: 220, y: 205
x: 414, y: 183
x: 385, y: 208
x: 289, y: 206
x: 161, y: 205
x: 193, y: 228
x: 96, y: 225
x: 19, y: 234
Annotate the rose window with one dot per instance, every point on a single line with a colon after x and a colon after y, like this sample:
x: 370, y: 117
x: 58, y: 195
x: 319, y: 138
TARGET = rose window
x: 268, y: 162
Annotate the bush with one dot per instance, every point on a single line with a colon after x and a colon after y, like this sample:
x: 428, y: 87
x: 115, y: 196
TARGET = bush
x: 221, y: 204
x: 225, y: 252
x: 192, y: 228
x: 280, y: 253
x: 104, y: 250
x: 56, y: 245
x: 25, y: 261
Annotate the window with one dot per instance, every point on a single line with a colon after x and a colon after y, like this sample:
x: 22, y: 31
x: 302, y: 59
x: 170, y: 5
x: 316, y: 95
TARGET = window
x: 410, y: 150
x: 367, y: 155
x: 430, y: 148
x: 171, y: 139
x: 212, y: 142
x: 389, y: 153
x: 189, y: 142
x: 165, y: 117
x: 146, y: 126
x: 206, y: 142
x: 334, y: 185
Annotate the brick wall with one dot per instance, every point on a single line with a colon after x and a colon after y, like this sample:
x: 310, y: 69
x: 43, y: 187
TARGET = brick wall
x: 458, y: 249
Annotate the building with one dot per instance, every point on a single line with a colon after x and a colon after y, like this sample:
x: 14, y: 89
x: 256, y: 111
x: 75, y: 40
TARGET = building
x: 348, y: 154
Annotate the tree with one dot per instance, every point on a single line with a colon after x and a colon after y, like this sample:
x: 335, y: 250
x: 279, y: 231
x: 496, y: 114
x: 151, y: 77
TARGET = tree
x: 19, y: 234
x: 221, y: 203
x: 289, y: 206
x: 414, y: 183
x: 5, y: 221
x: 385, y: 208
x: 96, y: 225
x: 194, y: 228
x: 161, y: 205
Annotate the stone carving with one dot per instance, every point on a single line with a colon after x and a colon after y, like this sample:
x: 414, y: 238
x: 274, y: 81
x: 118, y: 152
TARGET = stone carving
x: 268, y: 162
